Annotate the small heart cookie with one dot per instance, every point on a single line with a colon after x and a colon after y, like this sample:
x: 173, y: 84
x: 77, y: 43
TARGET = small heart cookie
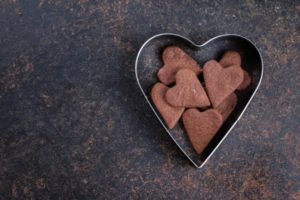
x: 230, y: 58
x: 188, y: 91
x: 234, y: 58
x: 169, y: 113
x: 201, y: 126
x: 227, y: 106
x: 221, y: 82
x: 246, y: 81
x: 174, y: 59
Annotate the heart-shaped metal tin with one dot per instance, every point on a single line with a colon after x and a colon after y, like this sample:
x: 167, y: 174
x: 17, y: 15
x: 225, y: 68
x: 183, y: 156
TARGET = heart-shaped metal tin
x: 149, y: 60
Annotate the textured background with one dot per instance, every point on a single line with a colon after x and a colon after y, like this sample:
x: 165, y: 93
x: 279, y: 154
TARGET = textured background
x: 73, y: 124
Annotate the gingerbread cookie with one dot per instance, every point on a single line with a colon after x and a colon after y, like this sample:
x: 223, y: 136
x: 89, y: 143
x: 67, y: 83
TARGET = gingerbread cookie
x: 188, y: 91
x: 201, y: 126
x: 221, y: 82
x: 234, y: 58
x: 174, y: 59
x: 169, y: 113
x: 227, y: 106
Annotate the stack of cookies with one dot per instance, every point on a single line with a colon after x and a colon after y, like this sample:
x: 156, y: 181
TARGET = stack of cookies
x: 203, y: 107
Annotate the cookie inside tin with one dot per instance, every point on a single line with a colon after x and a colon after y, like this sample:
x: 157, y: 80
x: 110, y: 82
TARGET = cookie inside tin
x: 149, y: 61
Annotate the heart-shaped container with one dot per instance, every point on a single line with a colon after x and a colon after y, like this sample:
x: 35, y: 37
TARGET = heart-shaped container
x: 149, y: 61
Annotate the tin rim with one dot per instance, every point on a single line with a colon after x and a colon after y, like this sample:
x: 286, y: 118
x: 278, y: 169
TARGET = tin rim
x: 198, y: 46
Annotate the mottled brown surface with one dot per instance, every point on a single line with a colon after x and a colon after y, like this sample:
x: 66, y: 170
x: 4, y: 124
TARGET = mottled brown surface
x: 74, y: 124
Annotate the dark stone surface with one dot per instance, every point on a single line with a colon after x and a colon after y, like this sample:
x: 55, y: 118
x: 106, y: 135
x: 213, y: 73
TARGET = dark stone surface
x: 74, y: 125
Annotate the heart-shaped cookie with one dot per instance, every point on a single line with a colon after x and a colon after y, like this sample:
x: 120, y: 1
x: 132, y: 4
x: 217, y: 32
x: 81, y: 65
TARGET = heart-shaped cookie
x: 188, y: 91
x: 234, y: 58
x: 174, y: 59
x: 227, y: 106
x: 170, y: 114
x: 221, y: 82
x: 149, y: 60
x: 201, y: 126
x: 246, y: 81
x: 230, y: 58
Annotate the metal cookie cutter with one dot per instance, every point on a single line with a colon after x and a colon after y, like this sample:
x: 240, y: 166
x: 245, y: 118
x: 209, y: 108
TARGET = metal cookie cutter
x: 148, y: 61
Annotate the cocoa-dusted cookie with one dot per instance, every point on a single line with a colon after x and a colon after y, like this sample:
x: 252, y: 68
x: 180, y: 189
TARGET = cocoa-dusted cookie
x: 221, y: 82
x: 227, y: 106
x: 201, y: 126
x: 169, y: 113
x: 246, y: 81
x: 188, y: 91
x: 174, y: 59
x: 234, y: 58
x: 230, y: 58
